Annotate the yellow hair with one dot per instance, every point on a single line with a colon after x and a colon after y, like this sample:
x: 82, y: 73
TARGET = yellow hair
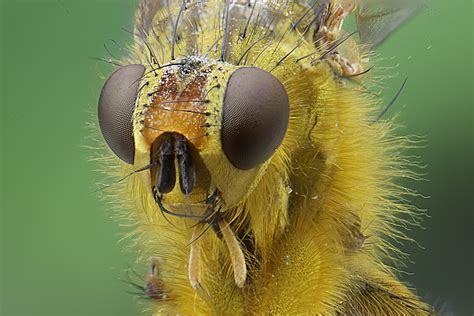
x: 317, y: 218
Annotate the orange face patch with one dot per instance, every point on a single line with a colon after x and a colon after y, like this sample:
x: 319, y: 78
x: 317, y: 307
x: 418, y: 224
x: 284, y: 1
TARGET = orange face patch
x: 177, y: 107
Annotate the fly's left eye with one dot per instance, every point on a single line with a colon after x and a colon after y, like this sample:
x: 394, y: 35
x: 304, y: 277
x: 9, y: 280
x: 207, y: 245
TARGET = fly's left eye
x: 255, y: 117
x: 116, y: 106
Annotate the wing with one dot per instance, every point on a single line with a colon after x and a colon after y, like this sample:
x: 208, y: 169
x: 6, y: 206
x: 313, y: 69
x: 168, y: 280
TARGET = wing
x: 377, y: 19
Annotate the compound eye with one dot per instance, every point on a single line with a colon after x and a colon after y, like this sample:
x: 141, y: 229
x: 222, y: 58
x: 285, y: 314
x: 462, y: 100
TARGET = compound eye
x: 256, y: 111
x: 116, y: 106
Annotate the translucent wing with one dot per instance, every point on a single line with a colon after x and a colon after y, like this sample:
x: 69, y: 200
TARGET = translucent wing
x: 377, y: 19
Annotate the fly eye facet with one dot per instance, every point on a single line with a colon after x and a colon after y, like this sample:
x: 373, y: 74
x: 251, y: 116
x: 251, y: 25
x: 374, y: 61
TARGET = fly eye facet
x: 116, y: 106
x: 255, y: 117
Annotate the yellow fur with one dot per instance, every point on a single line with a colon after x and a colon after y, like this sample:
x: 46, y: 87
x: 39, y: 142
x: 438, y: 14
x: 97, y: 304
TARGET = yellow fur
x: 320, y: 212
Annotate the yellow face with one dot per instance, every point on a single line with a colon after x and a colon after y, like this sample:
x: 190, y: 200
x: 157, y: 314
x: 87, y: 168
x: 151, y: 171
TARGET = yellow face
x: 197, y: 124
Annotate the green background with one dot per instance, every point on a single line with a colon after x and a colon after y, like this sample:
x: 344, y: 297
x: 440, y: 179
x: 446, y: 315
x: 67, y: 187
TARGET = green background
x: 59, y: 250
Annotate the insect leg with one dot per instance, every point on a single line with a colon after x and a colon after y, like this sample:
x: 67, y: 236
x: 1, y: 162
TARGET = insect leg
x: 194, y: 268
x: 236, y: 254
x: 154, y: 287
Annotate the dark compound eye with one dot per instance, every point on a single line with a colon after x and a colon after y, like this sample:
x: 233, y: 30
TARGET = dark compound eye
x: 116, y: 105
x: 255, y: 117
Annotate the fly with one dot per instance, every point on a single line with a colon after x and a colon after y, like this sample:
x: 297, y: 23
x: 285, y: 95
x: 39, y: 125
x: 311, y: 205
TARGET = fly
x: 243, y: 112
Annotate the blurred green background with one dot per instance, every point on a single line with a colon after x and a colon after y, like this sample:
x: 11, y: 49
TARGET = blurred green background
x: 60, y: 253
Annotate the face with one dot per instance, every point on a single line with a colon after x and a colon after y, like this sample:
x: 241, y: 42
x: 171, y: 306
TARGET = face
x: 202, y: 131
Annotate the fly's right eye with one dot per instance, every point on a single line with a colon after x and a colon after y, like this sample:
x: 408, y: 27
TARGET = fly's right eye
x: 116, y: 106
x: 256, y: 112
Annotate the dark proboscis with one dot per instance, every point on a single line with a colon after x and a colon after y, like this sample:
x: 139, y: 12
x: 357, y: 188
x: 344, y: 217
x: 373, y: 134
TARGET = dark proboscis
x: 187, y: 176
x: 166, y: 178
x: 170, y: 147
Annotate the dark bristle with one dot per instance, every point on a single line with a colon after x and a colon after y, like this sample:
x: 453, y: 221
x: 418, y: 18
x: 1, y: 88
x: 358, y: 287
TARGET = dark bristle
x: 108, y: 61
x: 176, y: 110
x: 166, y: 211
x: 295, y: 25
x: 147, y: 167
x: 330, y: 49
x: 358, y: 74
x: 389, y: 105
x: 249, y: 48
x: 175, y: 28
x: 226, y: 30
x: 278, y: 63
x: 243, y: 34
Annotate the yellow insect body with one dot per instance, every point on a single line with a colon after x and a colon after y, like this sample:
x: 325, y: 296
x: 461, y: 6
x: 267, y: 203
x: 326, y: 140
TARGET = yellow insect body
x: 306, y: 231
